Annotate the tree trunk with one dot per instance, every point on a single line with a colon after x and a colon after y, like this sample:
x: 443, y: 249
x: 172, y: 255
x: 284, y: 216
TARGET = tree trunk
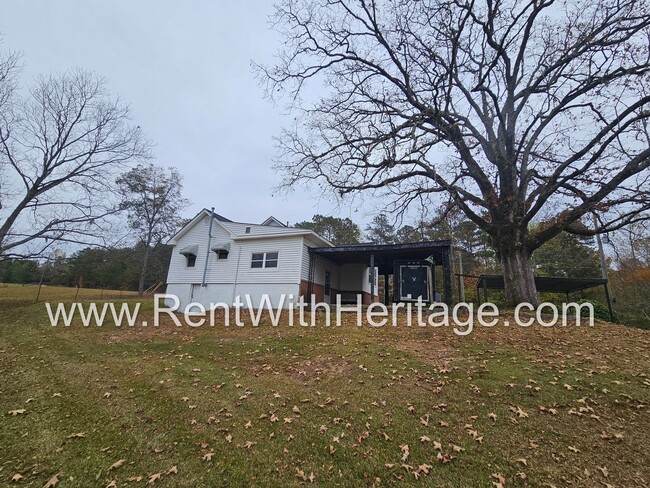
x: 518, y: 276
x: 143, y: 273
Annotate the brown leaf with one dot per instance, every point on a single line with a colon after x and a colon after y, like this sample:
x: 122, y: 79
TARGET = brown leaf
x: 208, y: 456
x: 154, y: 477
x: 53, y: 481
x: 117, y: 464
x: 17, y: 477
x: 500, y: 479
x: 19, y: 411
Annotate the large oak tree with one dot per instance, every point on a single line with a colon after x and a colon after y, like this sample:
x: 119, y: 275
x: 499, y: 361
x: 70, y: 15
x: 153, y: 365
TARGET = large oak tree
x: 519, y: 112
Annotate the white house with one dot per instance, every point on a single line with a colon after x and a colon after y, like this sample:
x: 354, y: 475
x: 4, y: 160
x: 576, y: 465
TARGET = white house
x: 216, y: 260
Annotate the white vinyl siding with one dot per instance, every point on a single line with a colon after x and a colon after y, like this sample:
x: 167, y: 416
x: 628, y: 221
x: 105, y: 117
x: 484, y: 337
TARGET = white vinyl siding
x: 238, y: 265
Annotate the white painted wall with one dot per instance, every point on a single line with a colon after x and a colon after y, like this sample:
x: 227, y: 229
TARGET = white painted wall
x: 226, y: 293
x: 222, y: 274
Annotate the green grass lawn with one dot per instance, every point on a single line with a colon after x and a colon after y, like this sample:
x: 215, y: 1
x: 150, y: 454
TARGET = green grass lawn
x: 342, y: 406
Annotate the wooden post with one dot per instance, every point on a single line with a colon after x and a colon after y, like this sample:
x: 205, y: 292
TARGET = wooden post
x: 40, y: 284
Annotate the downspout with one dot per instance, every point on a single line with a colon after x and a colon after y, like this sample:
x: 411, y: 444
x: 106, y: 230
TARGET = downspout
x: 207, y: 254
x: 234, y: 285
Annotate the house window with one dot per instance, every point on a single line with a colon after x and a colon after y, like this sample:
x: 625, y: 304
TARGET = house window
x: 191, y: 260
x: 222, y: 254
x: 264, y: 260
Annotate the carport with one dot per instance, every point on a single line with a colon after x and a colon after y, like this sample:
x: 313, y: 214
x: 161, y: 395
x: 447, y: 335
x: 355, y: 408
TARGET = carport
x: 414, y: 267
x: 552, y: 284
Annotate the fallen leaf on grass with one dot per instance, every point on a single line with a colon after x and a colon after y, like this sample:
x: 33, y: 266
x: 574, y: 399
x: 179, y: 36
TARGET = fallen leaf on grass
x: 519, y: 411
x: 53, y: 481
x: 77, y: 435
x: 301, y: 474
x: 172, y: 470
x: 17, y: 477
x: 117, y: 464
x: 20, y: 411
x: 405, y: 452
x: 500, y: 480
x: 208, y: 456
x: 154, y: 477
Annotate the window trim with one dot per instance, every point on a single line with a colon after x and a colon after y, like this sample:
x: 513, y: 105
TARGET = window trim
x: 264, y: 260
x: 191, y: 257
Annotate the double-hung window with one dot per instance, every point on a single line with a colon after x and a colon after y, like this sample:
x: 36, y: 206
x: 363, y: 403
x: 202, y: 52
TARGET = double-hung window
x: 264, y: 260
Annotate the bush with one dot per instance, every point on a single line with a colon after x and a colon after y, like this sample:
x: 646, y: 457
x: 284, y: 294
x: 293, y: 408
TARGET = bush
x: 600, y: 310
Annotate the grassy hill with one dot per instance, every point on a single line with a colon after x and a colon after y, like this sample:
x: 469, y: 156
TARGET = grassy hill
x: 339, y: 406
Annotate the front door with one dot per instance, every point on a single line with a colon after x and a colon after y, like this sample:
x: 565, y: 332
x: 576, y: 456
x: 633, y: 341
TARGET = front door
x: 328, y: 287
x: 414, y: 282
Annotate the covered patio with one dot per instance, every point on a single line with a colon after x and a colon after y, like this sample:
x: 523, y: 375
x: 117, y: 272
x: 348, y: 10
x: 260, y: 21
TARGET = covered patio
x: 419, y: 269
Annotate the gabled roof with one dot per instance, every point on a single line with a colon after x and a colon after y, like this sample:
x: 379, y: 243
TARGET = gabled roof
x: 245, y: 231
x: 272, y: 221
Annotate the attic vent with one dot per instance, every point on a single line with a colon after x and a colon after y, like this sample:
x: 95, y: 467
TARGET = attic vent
x: 248, y: 230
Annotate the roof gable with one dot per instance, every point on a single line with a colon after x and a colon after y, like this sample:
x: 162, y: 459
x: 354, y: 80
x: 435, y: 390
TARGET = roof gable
x: 244, y: 231
x: 273, y: 222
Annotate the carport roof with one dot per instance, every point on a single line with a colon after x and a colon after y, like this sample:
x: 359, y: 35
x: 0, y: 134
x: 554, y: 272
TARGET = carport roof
x: 553, y: 284
x: 384, y: 254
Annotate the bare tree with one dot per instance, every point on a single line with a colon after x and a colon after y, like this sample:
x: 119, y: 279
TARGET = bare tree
x: 516, y: 111
x: 60, y: 150
x: 152, y: 196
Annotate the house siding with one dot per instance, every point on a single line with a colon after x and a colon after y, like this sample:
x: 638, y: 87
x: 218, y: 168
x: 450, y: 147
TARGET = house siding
x: 228, y: 278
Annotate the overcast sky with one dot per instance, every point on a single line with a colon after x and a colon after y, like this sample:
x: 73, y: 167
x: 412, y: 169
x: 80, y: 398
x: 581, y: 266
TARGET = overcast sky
x: 184, y: 68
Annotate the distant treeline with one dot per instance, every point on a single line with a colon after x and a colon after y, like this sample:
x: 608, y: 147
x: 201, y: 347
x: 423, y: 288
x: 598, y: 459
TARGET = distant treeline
x: 117, y: 269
